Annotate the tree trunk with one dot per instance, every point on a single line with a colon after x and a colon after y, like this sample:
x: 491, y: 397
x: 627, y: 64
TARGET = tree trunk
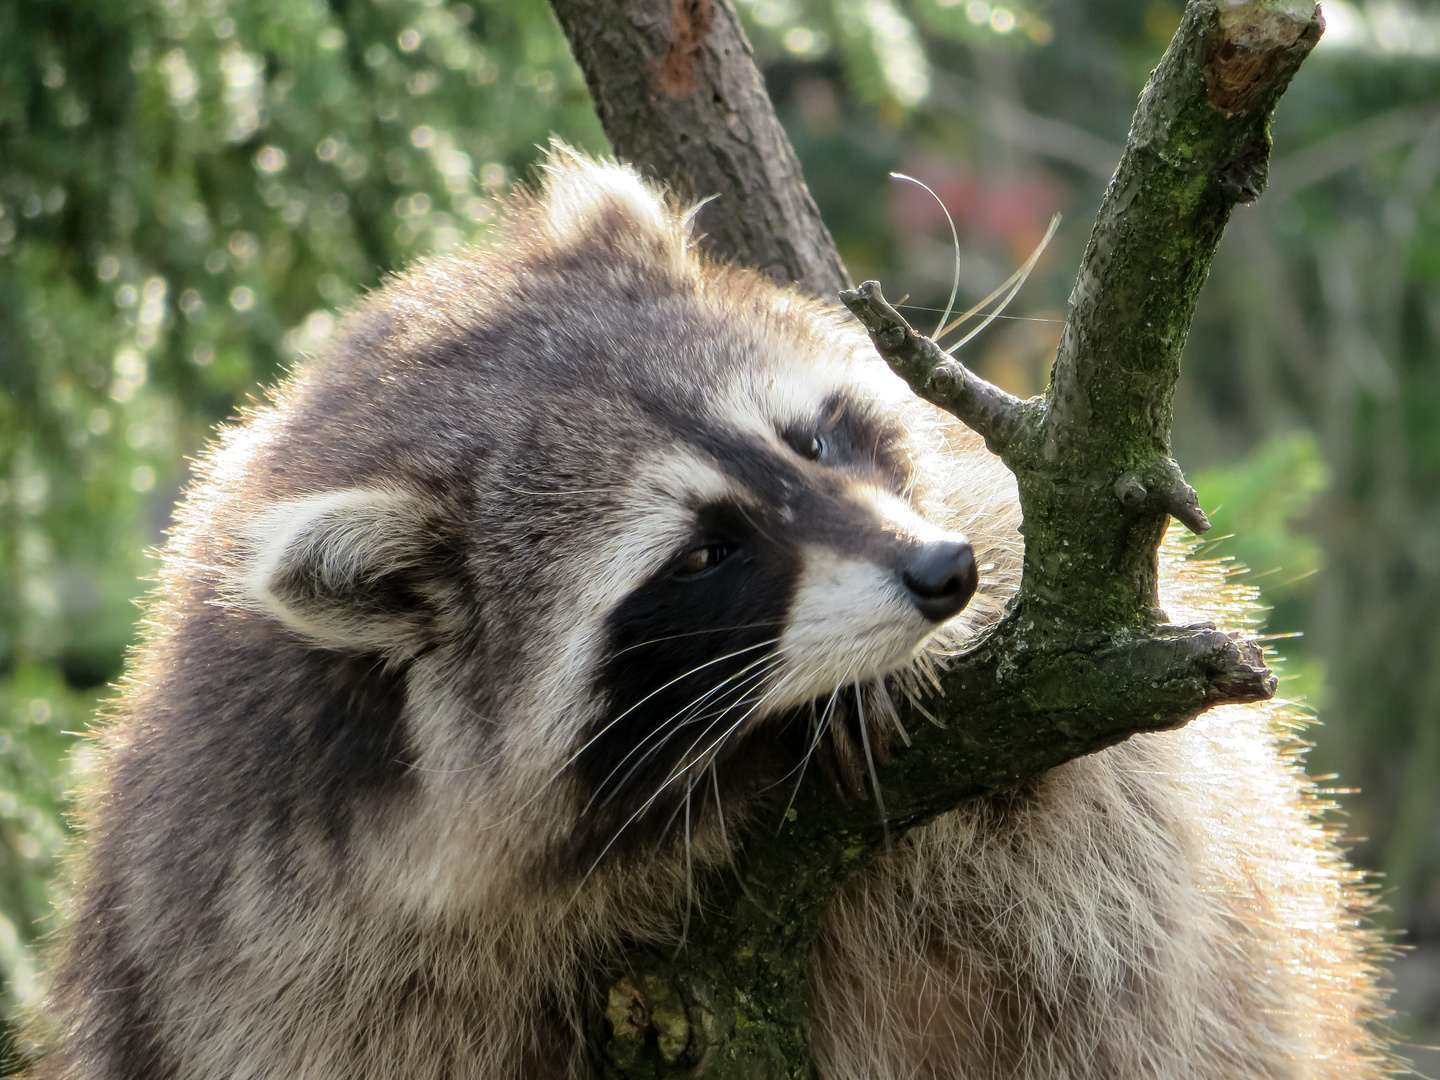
x: 679, y: 95
x: 1085, y: 658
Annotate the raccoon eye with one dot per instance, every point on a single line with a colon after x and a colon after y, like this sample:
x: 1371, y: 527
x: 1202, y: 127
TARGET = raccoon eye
x: 701, y: 559
x: 810, y: 445
x: 813, y: 450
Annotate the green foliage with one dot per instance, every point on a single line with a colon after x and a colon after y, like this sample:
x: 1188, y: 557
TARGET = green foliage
x: 1260, y: 506
x: 1260, y: 510
x: 880, y: 43
x: 36, y: 709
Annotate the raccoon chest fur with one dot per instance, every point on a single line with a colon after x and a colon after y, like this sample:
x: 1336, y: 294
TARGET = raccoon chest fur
x: 491, y: 627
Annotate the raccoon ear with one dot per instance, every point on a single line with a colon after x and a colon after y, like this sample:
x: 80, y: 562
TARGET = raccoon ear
x: 348, y: 569
x: 585, y: 197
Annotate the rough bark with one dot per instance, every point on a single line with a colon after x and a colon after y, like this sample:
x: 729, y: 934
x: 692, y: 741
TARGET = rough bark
x: 1084, y: 659
x: 679, y: 95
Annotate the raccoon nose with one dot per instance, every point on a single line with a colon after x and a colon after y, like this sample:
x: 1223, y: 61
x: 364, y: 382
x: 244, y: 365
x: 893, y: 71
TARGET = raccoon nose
x: 941, y: 577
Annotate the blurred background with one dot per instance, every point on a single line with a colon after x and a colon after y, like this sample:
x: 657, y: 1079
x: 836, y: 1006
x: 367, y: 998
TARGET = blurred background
x: 191, y: 191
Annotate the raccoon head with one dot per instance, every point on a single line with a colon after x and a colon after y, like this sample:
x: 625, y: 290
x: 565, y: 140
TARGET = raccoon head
x: 642, y: 532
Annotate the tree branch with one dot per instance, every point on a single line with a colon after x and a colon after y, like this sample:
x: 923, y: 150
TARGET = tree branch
x: 678, y: 95
x: 1084, y: 658
x: 936, y: 376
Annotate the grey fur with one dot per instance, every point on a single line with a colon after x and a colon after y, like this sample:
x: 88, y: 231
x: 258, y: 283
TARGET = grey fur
x: 364, y: 808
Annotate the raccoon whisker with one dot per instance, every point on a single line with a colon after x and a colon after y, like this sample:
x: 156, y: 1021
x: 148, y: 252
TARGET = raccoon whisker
x: 927, y: 670
x: 757, y: 526
x: 545, y: 785
x: 1007, y: 318
x: 663, y: 733
x: 660, y: 790
x: 749, y: 672
x: 979, y: 307
x: 679, y: 678
x: 704, y: 755
x: 870, y: 764
x: 667, y: 729
x: 821, y: 724
x: 1018, y: 278
x: 703, y: 759
x: 725, y: 840
x: 870, y: 649
x: 689, y: 880
x: 954, y: 237
x: 661, y: 689
x: 664, y: 830
x: 700, y: 633
x: 719, y: 811
x: 428, y: 770
x: 908, y: 493
x: 818, y: 726
x: 911, y: 691
x: 715, y: 718
x: 564, y: 491
x: 882, y: 697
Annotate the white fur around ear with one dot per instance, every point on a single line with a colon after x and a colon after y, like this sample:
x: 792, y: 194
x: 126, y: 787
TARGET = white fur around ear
x: 341, y: 568
x: 580, y: 192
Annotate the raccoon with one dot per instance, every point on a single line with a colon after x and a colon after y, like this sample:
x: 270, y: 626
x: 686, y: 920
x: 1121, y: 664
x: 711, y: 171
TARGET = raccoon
x: 468, y: 647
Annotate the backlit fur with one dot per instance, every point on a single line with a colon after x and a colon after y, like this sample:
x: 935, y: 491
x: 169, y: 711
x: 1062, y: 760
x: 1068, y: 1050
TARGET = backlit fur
x: 404, y: 758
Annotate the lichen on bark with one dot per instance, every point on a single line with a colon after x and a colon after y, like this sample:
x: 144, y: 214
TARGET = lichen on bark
x: 1084, y: 658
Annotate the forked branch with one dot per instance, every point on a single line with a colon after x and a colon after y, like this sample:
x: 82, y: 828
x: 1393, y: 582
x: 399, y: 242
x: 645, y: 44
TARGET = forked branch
x: 1008, y: 424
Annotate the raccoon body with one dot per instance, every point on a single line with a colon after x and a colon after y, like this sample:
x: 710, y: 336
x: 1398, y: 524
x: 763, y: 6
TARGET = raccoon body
x: 469, y: 646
